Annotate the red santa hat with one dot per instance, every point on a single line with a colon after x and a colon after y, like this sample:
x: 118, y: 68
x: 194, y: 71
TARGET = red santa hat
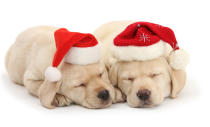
x: 74, y: 48
x: 142, y: 41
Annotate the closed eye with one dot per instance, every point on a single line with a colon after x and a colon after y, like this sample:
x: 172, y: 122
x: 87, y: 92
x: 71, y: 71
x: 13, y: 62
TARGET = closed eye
x: 129, y: 79
x: 81, y: 85
x: 100, y: 75
x: 154, y: 75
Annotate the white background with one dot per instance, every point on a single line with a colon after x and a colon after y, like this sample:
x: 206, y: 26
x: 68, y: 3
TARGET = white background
x: 188, y: 18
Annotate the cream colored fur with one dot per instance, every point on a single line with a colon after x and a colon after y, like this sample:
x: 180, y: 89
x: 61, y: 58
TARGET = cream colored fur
x: 130, y: 77
x: 32, y: 53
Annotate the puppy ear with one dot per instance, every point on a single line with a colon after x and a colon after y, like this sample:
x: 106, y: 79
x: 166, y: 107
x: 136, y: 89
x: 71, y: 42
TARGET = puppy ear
x: 105, y: 76
x: 47, y: 92
x: 113, y: 74
x: 178, y: 80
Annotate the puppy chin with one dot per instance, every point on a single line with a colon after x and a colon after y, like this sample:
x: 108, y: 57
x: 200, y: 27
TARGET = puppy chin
x: 133, y: 101
x: 97, y: 105
x: 136, y: 103
x: 107, y: 104
x: 147, y: 105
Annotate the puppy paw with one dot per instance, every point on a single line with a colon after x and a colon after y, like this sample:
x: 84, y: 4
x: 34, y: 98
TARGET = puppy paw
x: 61, y: 100
x: 119, y: 96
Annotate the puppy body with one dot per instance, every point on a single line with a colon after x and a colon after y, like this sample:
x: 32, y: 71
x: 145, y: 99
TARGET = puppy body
x: 33, y: 50
x: 28, y: 58
x: 145, y: 83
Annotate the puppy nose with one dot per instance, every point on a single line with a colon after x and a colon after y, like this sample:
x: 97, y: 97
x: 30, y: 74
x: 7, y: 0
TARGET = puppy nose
x: 103, y: 95
x: 143, y: 94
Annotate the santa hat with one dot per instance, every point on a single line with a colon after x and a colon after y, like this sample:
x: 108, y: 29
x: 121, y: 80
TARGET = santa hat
x: 142, y: 41
x: 74, y: 48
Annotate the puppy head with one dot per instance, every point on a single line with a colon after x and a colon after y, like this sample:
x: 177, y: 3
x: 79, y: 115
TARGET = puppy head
x: 147, y: 83
x: 86, y: 85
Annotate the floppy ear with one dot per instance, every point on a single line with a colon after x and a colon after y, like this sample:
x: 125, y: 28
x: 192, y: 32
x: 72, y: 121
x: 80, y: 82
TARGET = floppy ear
x: 113, y: 74
x: 105, y: 76
x: 178, y: 80
x: 47, y: 92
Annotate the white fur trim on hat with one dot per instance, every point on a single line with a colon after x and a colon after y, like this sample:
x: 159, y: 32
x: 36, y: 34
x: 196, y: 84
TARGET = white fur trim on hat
x: 138, y: 53
x: 83, y: 56
x: 52, y: 74
x: 179, y: 59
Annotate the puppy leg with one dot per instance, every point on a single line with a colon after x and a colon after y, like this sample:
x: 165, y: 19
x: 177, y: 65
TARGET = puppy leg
x: 32, y: 83
x: 119, y: 96
x: 61, y: 100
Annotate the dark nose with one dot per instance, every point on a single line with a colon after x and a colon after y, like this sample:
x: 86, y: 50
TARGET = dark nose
x: 143, y: 94
x: 103, y: 95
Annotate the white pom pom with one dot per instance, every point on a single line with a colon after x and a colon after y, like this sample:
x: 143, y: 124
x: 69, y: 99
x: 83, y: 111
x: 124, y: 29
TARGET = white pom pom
x: 52, y: 74
x: 179, y: 59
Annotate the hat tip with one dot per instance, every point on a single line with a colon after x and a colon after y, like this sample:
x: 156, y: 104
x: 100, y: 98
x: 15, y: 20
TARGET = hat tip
x: 179, y: 59
x: 52, y: 74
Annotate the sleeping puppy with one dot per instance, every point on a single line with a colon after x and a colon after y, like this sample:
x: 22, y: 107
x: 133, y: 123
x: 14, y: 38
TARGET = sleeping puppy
x: 144, y: 82
x: 147, y: 83
x: 86, y: 85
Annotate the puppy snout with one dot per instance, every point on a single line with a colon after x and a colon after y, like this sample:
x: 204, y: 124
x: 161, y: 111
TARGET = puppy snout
x: 143, y: 94
x: 103, y: 95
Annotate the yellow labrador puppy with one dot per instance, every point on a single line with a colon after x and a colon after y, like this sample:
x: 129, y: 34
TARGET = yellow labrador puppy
x: 86, y: 85
x: 144, y: 82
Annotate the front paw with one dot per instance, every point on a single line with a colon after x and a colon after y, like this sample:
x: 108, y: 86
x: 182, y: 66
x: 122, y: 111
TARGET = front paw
x: 61, y: 100
x: 119, y: 96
